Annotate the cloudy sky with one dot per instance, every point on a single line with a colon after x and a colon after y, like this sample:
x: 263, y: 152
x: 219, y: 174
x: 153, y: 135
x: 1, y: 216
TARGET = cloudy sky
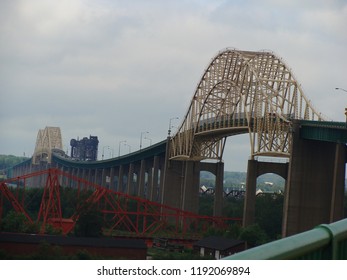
x: 118, y: 68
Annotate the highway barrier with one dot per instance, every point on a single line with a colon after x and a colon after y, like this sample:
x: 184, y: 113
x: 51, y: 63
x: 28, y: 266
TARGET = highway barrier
x: 324, y: 242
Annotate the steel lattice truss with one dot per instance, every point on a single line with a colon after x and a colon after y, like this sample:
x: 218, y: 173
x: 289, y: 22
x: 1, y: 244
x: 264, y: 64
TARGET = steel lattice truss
x: 47, y: 139
x: 122, y: 213
x: 242, y: 92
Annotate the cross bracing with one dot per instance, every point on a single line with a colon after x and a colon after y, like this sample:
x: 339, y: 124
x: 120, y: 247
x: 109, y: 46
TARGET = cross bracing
x: 242, y: 92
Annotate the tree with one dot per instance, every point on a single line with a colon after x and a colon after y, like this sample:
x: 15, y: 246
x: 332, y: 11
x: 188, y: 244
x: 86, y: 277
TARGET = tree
x: 14, y: 222
x: 7, y: 161
x: 89, y: 223
x: 254, y: 235
x: 269, y: 213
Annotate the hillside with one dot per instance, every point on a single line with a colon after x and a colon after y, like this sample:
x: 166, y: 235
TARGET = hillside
x: 238, y: 179
x: 7, y: 161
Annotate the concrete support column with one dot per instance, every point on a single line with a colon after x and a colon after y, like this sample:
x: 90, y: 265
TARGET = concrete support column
x: 74, y: 174
x: 149, y: 182
x: 190, y: 199
x: 338, y: 190
x: 173, y: 175
x: 173, y: 184
x: 251, y: 184
x: 154, y: 182
x: 112, y: 178
x: 78, y: 173
x: 84, y: 176
x: 161, y: 185
x: 141, y: 186
x: 89, y: 179
x: 120, y: 179
x: 103, y: 177
x: 130, y: 186
x: 95, y: 176
x: 61, y: 182
x: 218, y: 194
x: 70, y: 171
x: 315, y: 184
x: 136, y: 183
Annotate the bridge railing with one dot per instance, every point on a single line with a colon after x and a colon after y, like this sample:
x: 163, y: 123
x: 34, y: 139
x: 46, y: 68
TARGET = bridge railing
x: 325, y: 242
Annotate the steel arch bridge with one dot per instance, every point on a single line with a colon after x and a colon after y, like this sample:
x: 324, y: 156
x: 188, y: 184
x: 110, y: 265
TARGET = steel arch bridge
x: 47, y: 140
x: 239, y: 92
x: 242, y: 92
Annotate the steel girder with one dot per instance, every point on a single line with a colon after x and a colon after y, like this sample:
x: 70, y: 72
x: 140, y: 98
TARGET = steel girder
x: 242, y: 92
x: 123, y: 214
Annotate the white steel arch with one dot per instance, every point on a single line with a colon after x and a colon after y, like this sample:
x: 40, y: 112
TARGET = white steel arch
x: 242, y: 92
x: 47, y: 139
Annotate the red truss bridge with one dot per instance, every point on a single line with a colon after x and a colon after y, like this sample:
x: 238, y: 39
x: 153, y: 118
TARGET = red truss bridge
x: 122, y: 213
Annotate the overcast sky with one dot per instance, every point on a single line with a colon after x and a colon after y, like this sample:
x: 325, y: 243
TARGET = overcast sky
x: 115, y: 69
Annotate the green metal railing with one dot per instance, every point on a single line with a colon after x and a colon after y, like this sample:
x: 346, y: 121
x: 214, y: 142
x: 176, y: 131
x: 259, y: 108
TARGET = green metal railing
x: 324, y: 131
x: 325, y: 242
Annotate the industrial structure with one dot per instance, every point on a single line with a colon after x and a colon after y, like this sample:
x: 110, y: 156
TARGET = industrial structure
x: 85, y: 149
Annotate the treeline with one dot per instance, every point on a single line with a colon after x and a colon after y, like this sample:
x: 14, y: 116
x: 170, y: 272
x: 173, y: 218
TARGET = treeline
x: 89, y: 223
x: 268, y: 217
x: 7, y: 161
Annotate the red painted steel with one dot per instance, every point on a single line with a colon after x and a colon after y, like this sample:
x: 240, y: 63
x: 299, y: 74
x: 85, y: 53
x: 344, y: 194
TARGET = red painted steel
x: 123, y: 214
x: 5, y: 191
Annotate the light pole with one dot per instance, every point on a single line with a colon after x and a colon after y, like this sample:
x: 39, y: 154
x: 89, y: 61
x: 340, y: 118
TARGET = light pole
x: 103, y: 151
x: 341, y: 89
x: 120, y: 142
x: 128, y: 147
x: 150, y: 140
x: 346, y: 107
x: 170, y: 126
x: 111, y: 150
x: 142, y: 133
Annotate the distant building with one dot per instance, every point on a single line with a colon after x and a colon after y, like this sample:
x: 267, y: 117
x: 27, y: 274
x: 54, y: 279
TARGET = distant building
x: 85, y: 149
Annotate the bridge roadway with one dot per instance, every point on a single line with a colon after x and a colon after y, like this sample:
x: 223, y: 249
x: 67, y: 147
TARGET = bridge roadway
x: 314, y: 176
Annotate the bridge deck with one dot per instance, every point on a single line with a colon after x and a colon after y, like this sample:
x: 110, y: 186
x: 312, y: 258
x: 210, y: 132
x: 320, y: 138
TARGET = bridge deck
x: 324, y: 131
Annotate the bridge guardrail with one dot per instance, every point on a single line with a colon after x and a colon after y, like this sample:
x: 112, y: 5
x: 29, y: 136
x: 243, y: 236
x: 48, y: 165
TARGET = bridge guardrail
x: 326, y: 241
x: 330, y: 124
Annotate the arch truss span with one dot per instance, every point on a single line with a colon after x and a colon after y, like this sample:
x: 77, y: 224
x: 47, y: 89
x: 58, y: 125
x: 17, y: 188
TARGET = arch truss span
x: 242, y: 92
x: 47, y: 139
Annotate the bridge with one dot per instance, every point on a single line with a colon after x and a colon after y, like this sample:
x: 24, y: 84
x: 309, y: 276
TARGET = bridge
x: 239, y: 92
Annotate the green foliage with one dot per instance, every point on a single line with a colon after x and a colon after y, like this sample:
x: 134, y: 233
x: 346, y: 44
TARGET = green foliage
x: 49, y: 229
x: 206, y: 205
x: 83, y: 255
x: 212, y: 231
x: 233, y: 231
x: 89, y: 223
x: 14, y: 222
x: 254, y: 235
x: 33, y: 197
x: 269, y: 213
x: 233, y: 207
x: 186, y: 254
x: 3, y: 255
x: 47, y: 252
x: 17, y: 222
x: 7, y: 161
